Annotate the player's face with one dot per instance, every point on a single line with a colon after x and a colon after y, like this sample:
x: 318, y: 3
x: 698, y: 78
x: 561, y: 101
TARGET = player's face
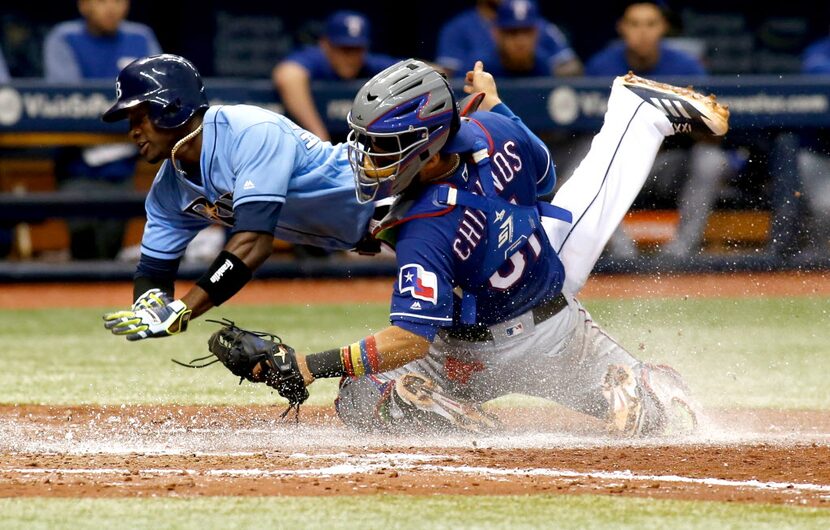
x: 642, y: 27
x: 154, y: 144
x: 346, y: 61
x: 517, y: 48
x: 104, y: 16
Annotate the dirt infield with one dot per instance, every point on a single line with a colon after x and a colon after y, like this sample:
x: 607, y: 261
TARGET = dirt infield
x: 773, y: 457
x: 130, y: 451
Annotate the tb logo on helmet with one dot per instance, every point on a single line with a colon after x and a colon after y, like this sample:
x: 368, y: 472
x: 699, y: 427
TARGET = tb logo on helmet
x: 118, y: 90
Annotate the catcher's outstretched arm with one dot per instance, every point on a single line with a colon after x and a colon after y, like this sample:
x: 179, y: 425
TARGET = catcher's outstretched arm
x: 263, y: 358
x: 385, y: 350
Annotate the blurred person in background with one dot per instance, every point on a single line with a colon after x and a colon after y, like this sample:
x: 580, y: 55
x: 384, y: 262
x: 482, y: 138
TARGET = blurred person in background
x: 342, y: 54
x: 4, y: 70
x: 96, y: 46
x: 814, y: 156
x: 518, y: 51
x: 471, y: 35
x: 6, y: 234
x: 691, y: 169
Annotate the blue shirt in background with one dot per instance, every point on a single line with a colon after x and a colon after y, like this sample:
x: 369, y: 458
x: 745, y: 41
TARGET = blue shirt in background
x: 611, y: 61
x: 314, y: 60
x: 468, y: 37
x: 4, y: 70
x: 816, y: 58
x: 72, y: 54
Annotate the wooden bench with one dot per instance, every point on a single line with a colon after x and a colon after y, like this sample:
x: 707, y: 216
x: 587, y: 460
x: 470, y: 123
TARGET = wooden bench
x: 725, y: 229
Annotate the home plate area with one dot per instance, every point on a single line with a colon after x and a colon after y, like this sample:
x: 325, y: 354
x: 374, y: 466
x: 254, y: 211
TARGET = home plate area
x: 100, y: 451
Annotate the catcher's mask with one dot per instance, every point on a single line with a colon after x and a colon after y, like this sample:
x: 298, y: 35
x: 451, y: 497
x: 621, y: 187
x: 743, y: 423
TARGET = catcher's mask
x: 399, y: 119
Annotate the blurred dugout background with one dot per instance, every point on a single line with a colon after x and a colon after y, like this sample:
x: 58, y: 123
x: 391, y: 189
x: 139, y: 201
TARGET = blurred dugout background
x: 243, y: 39
x: 246, y: 37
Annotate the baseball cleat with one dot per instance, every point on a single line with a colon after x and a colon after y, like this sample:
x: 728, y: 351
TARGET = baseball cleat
x: 677, y: 412
x: 625, y: 405
x: 654, y: 402
x: 428, y: 402
x: 687, y: 110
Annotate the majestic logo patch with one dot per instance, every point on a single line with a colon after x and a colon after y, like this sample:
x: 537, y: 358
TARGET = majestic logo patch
x: 219, y: 212
x: 249, y: 185
x: 422, y: 284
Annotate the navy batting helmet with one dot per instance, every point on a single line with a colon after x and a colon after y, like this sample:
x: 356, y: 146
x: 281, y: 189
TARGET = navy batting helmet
x: 169, y: 84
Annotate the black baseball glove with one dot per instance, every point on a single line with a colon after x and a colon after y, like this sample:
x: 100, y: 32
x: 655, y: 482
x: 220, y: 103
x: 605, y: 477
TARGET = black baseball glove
x: 241, y: 351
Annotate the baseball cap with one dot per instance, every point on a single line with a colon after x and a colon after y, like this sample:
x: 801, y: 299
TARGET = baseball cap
x: 348, y: 28
x: 517, y: 14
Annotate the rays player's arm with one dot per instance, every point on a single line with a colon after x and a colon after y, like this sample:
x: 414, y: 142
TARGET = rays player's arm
x: 263, y: 158
x: 422, y: 302
x: 479, y: 80
x: 167, y: 233
x: 262, y: 161
x: 250, y: 249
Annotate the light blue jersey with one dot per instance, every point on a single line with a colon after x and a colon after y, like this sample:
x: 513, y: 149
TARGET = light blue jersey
x: 252, y: 155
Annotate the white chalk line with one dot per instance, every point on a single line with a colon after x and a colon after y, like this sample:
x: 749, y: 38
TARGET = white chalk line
x: 377, y: 462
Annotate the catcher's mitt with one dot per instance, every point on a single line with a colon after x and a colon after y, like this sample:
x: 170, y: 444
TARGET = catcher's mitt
x: 241, y: 350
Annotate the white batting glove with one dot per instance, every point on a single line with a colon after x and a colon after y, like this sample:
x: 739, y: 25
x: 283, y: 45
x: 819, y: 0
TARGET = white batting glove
x: 152, y: 298
x: 154, y: 322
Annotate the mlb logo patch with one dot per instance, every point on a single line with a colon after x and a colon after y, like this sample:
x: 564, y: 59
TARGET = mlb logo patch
x: 512, y: 331
x: 422, y: 284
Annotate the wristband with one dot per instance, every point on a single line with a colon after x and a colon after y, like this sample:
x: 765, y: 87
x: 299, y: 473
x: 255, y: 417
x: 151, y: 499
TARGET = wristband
x: 355, y: 360
x: 225, y: 277
x: 361, y: 358
x: 325, y: 364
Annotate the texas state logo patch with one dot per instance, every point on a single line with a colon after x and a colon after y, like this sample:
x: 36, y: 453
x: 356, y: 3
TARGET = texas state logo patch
x: 421, y: 283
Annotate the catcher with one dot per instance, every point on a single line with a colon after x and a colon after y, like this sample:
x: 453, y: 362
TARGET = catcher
x: 484, y: 303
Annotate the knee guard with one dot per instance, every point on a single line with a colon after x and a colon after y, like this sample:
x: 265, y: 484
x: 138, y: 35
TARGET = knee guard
x: 359, y: 401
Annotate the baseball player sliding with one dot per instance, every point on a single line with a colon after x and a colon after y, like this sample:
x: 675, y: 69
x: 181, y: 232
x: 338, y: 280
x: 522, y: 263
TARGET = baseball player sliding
x: 484, y: 300
x: 240, y: 166
x: 484, y: 303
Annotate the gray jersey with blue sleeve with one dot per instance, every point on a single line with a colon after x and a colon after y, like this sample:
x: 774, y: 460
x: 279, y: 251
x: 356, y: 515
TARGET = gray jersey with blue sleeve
x: 249, y: 155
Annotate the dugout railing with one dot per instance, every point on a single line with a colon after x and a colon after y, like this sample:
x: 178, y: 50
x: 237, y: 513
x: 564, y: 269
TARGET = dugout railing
x: 767, y: 113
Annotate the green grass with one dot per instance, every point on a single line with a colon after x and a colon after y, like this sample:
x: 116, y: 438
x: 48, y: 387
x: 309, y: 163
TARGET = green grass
x: 742, y: 352
x: 765, y: 352
x: 746, y: 352
x: 387, y: 511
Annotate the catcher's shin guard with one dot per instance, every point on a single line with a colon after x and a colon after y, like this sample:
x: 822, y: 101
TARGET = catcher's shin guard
x: 416, y: 401
x: 687, y: 110
x: 648, y: 400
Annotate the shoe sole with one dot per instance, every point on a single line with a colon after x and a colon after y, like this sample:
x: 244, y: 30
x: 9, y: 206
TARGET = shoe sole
x: 624, y: 406
x: 714, y: 115
x: 424, y: 394
x: 680, y: 413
